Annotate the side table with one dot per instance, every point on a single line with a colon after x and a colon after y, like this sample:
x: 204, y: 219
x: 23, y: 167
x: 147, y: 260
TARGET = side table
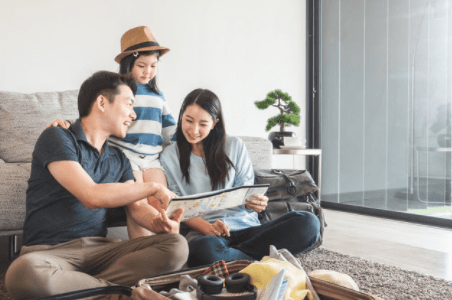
x: 314, y: 152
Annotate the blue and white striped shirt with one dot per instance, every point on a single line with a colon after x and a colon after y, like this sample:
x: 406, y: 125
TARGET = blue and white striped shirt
x: 153, y: 127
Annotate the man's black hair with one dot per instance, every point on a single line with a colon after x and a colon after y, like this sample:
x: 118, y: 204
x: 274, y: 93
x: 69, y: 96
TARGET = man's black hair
x: 103, y: 83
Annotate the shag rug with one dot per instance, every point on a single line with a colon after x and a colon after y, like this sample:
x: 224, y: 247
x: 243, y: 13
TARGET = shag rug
x: 384, y: 281
x: 387, y: 282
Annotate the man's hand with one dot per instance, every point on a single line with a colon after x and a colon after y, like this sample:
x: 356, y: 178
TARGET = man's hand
x: 258, y: 204
x: 59, y: 122
x: 218, y: 228
x: 164, y: 224
x: 163, y: 194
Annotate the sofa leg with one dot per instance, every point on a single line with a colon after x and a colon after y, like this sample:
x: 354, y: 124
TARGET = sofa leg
x: 13, y: 252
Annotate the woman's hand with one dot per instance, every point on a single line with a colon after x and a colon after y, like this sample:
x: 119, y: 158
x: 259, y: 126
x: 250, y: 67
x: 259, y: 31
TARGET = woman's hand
x: 59, y: 122
x: 218, y: 228
x: 258, y: 204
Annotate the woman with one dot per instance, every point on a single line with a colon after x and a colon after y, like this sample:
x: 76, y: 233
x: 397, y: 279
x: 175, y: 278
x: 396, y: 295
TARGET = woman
x: 205, y: 159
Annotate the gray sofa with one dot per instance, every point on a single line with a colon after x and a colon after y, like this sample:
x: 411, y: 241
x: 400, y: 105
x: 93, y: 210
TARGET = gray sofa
x: 22, y: 119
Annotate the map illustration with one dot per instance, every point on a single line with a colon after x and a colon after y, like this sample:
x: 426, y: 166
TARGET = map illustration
x: 199, y: 204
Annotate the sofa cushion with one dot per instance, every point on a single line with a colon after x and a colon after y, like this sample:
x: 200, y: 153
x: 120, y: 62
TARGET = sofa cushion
x: 13, y: 187
x: 24, y: 116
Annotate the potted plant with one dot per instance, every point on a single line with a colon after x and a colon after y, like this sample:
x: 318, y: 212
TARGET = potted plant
x: 289, y: 115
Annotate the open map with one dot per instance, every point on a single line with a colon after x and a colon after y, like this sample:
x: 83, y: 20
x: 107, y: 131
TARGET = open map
x: 199, y: 204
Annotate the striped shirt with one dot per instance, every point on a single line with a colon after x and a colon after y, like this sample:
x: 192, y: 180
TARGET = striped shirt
x: 153, y: 127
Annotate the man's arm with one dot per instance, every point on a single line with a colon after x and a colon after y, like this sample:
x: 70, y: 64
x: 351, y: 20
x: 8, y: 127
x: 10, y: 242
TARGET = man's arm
x: 74, y: 178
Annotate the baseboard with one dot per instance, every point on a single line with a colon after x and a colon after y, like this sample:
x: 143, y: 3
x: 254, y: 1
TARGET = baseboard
x: 393, y: 215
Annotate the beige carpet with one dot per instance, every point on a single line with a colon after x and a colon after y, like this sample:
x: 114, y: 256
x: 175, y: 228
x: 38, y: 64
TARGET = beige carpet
x: 387, y: 282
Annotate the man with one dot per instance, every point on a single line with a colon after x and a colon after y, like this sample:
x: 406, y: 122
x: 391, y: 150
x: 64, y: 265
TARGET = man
x: 74, y: 177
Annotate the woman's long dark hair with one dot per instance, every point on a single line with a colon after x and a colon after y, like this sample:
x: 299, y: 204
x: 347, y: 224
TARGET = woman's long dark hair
x: 126, y: 65
x: 216, y: 160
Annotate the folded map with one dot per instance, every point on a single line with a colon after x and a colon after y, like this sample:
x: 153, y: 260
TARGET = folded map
x: 200, y: 204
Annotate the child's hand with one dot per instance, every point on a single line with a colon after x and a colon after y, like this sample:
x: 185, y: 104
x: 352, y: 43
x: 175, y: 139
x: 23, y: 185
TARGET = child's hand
x: 59, y: 122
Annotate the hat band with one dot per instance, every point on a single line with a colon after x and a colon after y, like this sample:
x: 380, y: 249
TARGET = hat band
x: 142, y: 45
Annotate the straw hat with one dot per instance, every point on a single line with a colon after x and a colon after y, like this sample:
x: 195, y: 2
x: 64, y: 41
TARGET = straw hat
x: 138, y: 39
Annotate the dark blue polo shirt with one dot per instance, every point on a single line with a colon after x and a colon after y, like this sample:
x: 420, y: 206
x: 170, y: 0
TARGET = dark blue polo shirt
x: 53, y: 214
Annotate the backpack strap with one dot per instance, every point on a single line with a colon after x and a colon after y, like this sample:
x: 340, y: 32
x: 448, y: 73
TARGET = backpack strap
x: 291, y: 188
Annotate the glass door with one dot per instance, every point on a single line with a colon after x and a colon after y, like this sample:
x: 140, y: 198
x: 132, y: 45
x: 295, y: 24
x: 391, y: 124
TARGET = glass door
x: 385, y: 104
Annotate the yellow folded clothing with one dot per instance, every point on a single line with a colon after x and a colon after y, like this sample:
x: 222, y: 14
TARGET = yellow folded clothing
x: 262, y: 272
x: 335, y: 277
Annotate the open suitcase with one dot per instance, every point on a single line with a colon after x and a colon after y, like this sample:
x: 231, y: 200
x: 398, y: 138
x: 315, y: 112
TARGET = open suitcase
x: 325, y: 290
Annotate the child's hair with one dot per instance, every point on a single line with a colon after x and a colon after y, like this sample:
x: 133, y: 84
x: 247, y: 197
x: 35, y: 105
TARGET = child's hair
x: 103, y: 83
x: 216, y: 160
x: 126, y: 65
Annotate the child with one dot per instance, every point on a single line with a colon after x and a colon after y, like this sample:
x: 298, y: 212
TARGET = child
x: 154, y: 126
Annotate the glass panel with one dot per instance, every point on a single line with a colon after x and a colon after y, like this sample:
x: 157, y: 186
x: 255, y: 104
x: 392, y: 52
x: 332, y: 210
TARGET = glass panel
x: 385, y: 90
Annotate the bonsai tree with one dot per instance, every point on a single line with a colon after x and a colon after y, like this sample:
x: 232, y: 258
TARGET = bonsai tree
x: 289, y: 110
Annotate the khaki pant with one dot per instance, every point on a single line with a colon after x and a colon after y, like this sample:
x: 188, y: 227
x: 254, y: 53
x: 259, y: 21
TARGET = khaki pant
x: 92, y: 262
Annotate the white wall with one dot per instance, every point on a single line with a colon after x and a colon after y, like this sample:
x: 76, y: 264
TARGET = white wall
x: 240, y: 49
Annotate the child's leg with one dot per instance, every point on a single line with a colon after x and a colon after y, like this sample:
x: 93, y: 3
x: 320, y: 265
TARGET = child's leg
x: 133, y: 228
x: 155, y: 175
x: 149, y: 175
x: 151, y: 171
